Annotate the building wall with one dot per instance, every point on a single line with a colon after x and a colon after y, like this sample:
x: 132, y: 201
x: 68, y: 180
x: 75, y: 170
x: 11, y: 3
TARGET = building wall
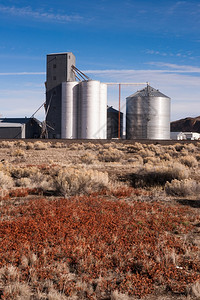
x: 185, y: 135
x: 16, y: 132
x: 31, y: 127
x: 53, y: 111
x: 112, y: 124
x: 192, y: 136
x: 59, y: 69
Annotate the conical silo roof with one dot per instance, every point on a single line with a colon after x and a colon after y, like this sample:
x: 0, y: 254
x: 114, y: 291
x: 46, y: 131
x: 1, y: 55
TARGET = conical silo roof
x: 148, y: 91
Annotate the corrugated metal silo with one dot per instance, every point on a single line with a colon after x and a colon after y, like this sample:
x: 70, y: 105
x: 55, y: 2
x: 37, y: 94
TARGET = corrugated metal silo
x: 69, y: 110
x: 103, y: 111
x: 89, y: 106
x: 148, y: 115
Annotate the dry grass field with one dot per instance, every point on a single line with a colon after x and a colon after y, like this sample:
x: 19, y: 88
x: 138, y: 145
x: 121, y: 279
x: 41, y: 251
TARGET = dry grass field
x: 110, y: 221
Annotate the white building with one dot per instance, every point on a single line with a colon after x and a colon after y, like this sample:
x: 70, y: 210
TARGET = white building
x: 191, y: 136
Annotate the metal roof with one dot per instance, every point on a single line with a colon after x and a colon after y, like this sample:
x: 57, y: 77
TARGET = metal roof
x: 18, y: 120
x: 2, y: 124
x: 148, y: 92
x: 61, y: 53
x: 15, y: 120
x: 110, y: 109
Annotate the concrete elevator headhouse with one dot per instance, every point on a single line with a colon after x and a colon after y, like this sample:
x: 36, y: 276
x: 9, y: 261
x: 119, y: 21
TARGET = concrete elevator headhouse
x: 58, y: 70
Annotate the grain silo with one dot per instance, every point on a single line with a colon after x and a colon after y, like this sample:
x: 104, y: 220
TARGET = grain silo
x: 69, y: 110
x: 103, y: 111
x: 90, y: 93
x: 148, y: 115
x: 92, y: 114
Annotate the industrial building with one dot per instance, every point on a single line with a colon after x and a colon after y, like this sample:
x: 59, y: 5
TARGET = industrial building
x: 12, y: 131
x: 17, y: 128
x: 58, y: 70
x: 113, y: 123
x: 78, y: 109
x: 148, y: 115
x: 191, y: 136
x: 74, y: 109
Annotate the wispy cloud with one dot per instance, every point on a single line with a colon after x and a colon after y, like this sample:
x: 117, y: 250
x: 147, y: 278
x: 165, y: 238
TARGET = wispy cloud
x: 187, y: 54
x: 28, y: 100
x: 155, y: 52
x: 176, y: 68
x: 124, y: 73
x: 22, y: 73
x: 9, y: 56
x: 39, y: 14
x: 180, y: 8
x: 128, y: 73
x: 176, y: 6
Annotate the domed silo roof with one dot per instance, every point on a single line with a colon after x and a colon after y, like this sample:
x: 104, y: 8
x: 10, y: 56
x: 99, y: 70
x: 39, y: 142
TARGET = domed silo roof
x: 148, y: 91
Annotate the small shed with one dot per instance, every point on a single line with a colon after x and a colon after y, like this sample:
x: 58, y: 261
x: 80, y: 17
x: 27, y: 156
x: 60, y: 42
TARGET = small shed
x: 12, y: 128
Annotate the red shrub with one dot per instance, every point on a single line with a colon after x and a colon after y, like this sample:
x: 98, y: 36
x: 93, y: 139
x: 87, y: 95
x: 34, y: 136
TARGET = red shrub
x: 101, y: 238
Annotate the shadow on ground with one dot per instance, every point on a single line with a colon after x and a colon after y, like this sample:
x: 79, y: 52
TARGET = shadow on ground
x: 191, y: 203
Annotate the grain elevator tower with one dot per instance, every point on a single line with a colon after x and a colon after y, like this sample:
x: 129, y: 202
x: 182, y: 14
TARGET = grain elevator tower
x: 58, y: 70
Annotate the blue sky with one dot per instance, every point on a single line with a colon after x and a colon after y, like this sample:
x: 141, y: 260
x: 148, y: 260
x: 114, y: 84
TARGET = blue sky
x: 113, y: 41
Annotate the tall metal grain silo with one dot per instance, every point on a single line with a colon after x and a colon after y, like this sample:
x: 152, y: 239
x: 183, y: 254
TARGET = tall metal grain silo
x: 69, y: 104
x: 148, y: 115
x: 89, y: 109
x: 103, y: 111
x: 79, y: 113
